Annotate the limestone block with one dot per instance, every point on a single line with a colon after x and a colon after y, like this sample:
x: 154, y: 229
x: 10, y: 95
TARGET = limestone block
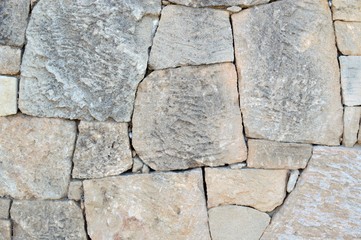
x: 351, y: 118
x: 9, y: 60
x: 351, y: 80
x: 75, y: 191
x: 348, y: 35
x: 218, y: 3
x: 4, y: 208
x: 5, y: 229
x: 347, y: 10
x: 8, y: 95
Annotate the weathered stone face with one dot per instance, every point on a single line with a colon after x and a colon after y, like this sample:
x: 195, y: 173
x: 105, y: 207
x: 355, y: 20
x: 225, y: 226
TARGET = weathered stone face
x: 147, y: 206
x: 5, y: 229
x: 351, y: 80
x: 236, y: 222
x: 102, y: 149
x: 258, y: 188
x: 35, y: 156
x: 348, y: 36
x: 277, y: 155
x: 287, y: 94
x: 4, y: 208
x: 347, y: 10
x: 214, y: 3
x: 75, y: 191
x: 9, y: 60
x: 13, y: 21
x: 326, y: 201
x: 85, y: 61
x: 351, y: 121
x: 189, y: 117
x: 8, y: 95
x: 47, y: 220
x: 191, y: 36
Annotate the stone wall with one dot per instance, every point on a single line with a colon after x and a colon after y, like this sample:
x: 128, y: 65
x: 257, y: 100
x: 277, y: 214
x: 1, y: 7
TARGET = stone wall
x: 180, y: 119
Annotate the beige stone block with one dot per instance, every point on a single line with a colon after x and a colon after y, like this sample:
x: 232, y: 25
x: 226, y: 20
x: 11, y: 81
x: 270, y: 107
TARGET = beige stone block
x: 75, y: 190
x: 8, y: 95
x: 346, y: 10
x: 5, y: 229
x: 348, y: 35
x: 9, y: 60
x: 351, y: 80
x: 4, y: 208
x: 351, y: 118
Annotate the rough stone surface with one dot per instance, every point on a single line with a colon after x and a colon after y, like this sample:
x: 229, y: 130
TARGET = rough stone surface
x: 75, y: 191
x: 287, y: 94
x: 237, y: 223
x: 85, y: 62
x: 189, y: 117
x: 4, y: 208
x: 191, y: 36
x: 102, y: 149
x: 13, y: 21
x: 348, y: 36
x: 137, y: 165
x: 347, y: 10
x: 35, y: 156
x: 8, y: 95
x: 9, y: 60
x: 216, y: 3
x: 277, y: 155
x: 351, y: 80
x: 326, y: 201
x: 258, y: 188
x: 351, y: 118
x: 5, y: 229
x: 292, y: 180
x: 147, y: 206
x: 47, y: 220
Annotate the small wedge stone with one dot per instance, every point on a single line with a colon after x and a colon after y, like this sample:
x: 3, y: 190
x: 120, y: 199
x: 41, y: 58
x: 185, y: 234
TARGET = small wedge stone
x: 292, y: 180
x: 9, y: 60
x: 8, y: 95
x: 137, y: 165
x: 351, y: 80
x: 347, y: 10
x: 351, y: 117
x: 75, y: 191
x: 4, y: 208
x: 348, y: 35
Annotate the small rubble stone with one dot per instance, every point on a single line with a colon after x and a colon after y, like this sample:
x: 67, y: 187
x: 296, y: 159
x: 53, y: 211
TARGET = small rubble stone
x: 219, y: 3
x: 347, y: 10
x: 9, y: 60
x: 13, y: 21
x: 257, y: 188
x: 102, y: 149
x: 4, y: 208
x: 5, y: 229
x: 238, y: 165
x: 47, y: 220
x: 35, y: 156
x: 351, y: 118
x: 147, y: 206
x: 351, y: 80
x: 277, y: 155
x: 292, y: 180
x: 191, y: 36
x: 348, y: 35
x: 145, y: 169
x: 326, y: 201
x: 189, y: 117
x: 234, y: 9
x: 75, y: 191
x: 237, y: 223
x: 137, y: 165
x: 8, y: 95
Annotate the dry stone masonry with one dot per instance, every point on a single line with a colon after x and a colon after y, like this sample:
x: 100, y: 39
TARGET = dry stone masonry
x: 180, y: 119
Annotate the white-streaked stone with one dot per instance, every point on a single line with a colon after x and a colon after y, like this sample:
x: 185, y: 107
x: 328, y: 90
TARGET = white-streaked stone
x: 351, y: 80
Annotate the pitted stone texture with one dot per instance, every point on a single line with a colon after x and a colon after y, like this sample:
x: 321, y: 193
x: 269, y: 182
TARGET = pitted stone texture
x: 75, y: 191
x: 189, y: 117
x: 348, y: 35
x: 102, y: 149
x: 351, y: 126
x: 237, y: 223
x: 47, y: 220
x: 277, y: 155
x: 13, y: 21
x: 258, y: 188
x: 287, y: 94
x: 191, y: 36
x: 351, y: 80
x: 216, y: 3
x: 35, y: 156
x: 9, y: 60
x: 4, y: 208
x: 347, y: 10
x: 5, y: 229
x: 147, y: 206
x: 84, y: 59
x: 8, y: 95
x: 326, y: 201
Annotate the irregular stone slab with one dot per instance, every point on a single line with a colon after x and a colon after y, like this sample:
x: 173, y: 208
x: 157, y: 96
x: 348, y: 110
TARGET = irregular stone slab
x: 237, y: 223
x: 189, y: 117
x: 217, y: 3
x: 102, y: 149
x: 8, y: 95
x: 348, y: 35
x: 147, y: 206
x: 292, y: 180
x: 47, y: 220
x: 35, y: 156
x: 89, y: 61
x: 4, y: 208
x: 351, y: 80
x: 13, y: 21
x: 277, y: 155
x: 326, y: 201
x: 75, y: 191
x: 190, y: 36
x: 351, y: 125
x: 289, y: 95
x: 9, y: 60
x: 347, y: 10
x: 258, y: 188
x: 5, y: 229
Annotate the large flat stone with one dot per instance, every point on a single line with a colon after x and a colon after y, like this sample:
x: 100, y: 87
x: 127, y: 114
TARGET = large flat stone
x: 347, y: 10
x: 4, y: 208
x: 237, y: 223
x: 189, y: 117
x: 84, y: 60
x: 47, y: 220
x: 348, y: 35
x: 13, y: 21
x: 286, y: 92
x: 258, y: 188
x: 9, y: 60
x: 351, y: 80
x: 351, y: 124
x: 5, y: 229
x: 147, y: 206
x: 102, y: 149
x: 35, y: 156
x: 191, y: 36
x: 8, y: 95
x: 219, y: 3
x: 326, y: 201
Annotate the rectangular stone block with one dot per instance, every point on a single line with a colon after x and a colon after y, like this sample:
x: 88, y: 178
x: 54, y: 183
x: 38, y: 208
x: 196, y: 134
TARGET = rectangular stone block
x: 4, y: 208
x: 219, y: 3
x: 9, y: 60
x: 8, y: 95
x: 351, y: 80
x: 346, y: 10
x: 351, y: 118
x: 5, y: 229
x: 348, y: 35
